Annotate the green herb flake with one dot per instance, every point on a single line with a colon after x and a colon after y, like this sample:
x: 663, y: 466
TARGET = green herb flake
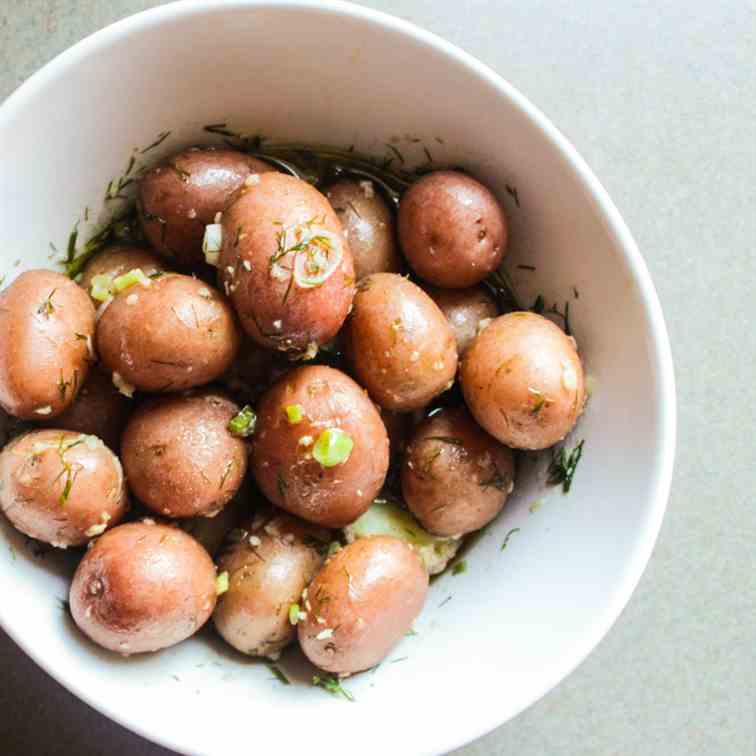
x: 243, y: 423
x: 221, y: 583
x: 508, y: 536
x: 162, y: 136
x: 563, y: 466
x: 459, y: 567
x: 333, y: 686
x: 294, y: 413
x: 294, y: 614
x: 278, y: 674
x: 333, y: 447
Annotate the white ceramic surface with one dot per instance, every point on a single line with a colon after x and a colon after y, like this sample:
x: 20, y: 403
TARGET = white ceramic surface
x: 518, y: 620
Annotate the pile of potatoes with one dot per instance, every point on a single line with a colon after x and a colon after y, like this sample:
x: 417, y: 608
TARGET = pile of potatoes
x: 319, y: 512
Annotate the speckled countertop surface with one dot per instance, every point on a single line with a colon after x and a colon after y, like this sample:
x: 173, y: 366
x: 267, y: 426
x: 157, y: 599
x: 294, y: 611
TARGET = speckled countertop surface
x: 660, y: 98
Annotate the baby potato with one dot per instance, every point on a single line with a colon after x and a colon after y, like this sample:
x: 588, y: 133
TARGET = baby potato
x: 142, y: 587
x: 467, y: 310
x: 399, y: 344
x: 368, y: 224
x: 320, y: 450
x: 179, y: 457
x: 116, y: 261
x: 523, y: 381
x: 98, y: 410
x: 46, y: 327
x: 455, y: 477
x: 361, y: 603
x: 286, y: 265
x: 180, y: 196
x: 269, y: 561
x: 171, y: 335
x: 61, y: 487
x: 452, y: 230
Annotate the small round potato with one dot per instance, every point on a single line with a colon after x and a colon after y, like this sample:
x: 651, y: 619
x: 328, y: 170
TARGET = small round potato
x: 361, y: 603
x: 269, y: 561
x: 47, y: 324
x: 181, y: 195
x: 523, y: 381
x: 179, y: 457
x: 467, y: 310
x: 452, y: 230
x: 321, y: 450
x: 369, y: 226
x: 399, y: 343
x: 61, y: 487
x: 98, y: 410
x: 455, y: 477
x: 116, y: 261
x: 143, y: 587
x: 172, y: 335
x: 286, y: 264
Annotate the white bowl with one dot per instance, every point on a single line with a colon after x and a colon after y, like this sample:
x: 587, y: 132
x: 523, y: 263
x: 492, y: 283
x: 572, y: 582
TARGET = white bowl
x: 520, y: 619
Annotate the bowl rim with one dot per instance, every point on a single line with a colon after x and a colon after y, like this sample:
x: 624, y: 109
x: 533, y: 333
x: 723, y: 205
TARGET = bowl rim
x: 661, y: 475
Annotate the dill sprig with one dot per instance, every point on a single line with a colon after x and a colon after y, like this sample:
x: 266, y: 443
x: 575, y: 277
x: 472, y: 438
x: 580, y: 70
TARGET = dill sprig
x: 563, y: 466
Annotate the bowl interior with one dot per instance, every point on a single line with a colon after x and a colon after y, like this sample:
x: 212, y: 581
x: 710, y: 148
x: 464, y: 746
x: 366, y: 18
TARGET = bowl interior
x: 491, y: 640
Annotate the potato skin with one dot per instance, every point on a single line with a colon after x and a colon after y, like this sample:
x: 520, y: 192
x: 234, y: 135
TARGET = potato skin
x: 36, y: 470
x: 98, y: 410
x: 452, y: 230
x: 465, y: 309
x: 116, y: 261
x: 398, y: 343
x: 455, y: 477
x: 181, y: 195
x: 142, y: 587
x: 46, y: 328
x: 367, y: 594
x: 523, y: 381
x: 269, y: 560
x: 273, y: 310
x: 282, y: 462
x: 179, y: 458
x: 369, y: 226
x: 175, y: 334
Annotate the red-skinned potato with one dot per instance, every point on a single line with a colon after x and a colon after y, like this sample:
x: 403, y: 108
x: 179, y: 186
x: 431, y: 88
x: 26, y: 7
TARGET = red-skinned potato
x: 523, y: 381
x: 118, y: 260
x: 181, y: 195
x: 174, y: 334
x: 98, y: 410
x: 452, y: 230
x: 369, y: 226
x: 291, y: 461
x: 46, y: 328
x: 179, y: 457
x: 455, y: 477
x: 467, y: 310
x: 399, y: 344
x: 361, y: 603
x: 142, y: 587
x: 269, y: 561
x: 286, y: 265
x: 61, y: 487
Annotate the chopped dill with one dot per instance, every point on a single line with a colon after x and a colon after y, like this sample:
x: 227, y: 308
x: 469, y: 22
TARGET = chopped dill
x: 512, y: 192
x: 333, y: 686
x: 563, y: 466
x: 277, y: 673
x: 162, y: 136
x: 507, y: 537
x: 459, y: 567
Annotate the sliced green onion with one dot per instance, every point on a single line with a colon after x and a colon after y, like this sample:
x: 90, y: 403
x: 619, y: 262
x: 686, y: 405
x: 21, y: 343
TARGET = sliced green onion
x: 294, y: 413
x: 102, y: 287
x: 243, y: 423
x: 319, y: 259
x: 333, y: 447
x: 294, y: 614
x: 221, y: 583
x: 212, y: 243
x: 133, y: 277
